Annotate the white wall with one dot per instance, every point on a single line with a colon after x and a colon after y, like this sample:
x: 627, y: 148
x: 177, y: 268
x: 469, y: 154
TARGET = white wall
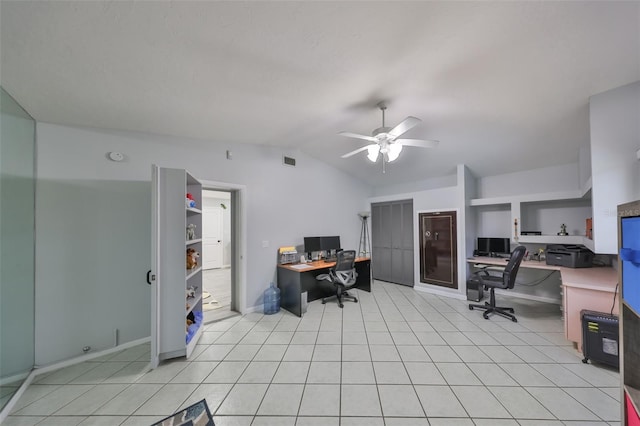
x: 496, y: 220
x: 548, y: 179
x: 417, y: 186
x: 615, y: 138
x: 93, y: 224
x: 17, y: 265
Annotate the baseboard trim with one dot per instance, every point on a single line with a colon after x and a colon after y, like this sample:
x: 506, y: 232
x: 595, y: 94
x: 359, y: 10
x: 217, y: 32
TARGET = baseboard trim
x: 6, y: 410
x: 454, y: 294
x: 76, y: 360
x: 16, y: 377
x: 529, y: 297
x: 37, y: 370
x: 252, y: 309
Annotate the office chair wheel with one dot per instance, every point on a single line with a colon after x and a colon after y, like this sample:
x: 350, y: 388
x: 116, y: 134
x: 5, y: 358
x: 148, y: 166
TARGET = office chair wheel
x: 341, y: 305
x: 323, y: 301
x: 514, y: 319
x: 470, y: 308
x: 355, y: 300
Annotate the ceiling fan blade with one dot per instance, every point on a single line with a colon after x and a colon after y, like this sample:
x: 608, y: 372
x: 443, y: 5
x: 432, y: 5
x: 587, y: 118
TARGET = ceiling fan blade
x: 403, y: 127
x: 356, y: 135
x: 364, y: 148
x: 418, y: 142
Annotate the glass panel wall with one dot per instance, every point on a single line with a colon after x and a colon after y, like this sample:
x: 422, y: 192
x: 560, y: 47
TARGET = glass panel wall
x: 17, y: 245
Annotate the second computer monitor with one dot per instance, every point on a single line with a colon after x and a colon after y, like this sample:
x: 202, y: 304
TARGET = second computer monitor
x: 312, y: 244
x: 494, y: 246
x: 330, y: 243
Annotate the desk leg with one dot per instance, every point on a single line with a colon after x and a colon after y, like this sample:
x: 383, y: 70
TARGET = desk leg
x: 289, y: 285
x: 364, y: 275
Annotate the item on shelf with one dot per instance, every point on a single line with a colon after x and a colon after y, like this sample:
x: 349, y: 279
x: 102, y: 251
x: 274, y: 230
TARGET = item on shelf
x: 589, y: 228
x: 570, y: 256
x: 191, y: 231
x: 193, y: 328
x: 191, y: 292
x: 271, y: 300
x: 530, y: 233
x: 190, y: 202
x: 192, y: 258
x: 563, y: 230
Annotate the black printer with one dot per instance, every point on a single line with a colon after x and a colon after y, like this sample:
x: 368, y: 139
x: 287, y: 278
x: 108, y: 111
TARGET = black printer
x: 570, y: 256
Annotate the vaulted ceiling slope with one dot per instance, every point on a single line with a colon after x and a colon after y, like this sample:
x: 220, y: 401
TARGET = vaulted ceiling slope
x: 504, y: 86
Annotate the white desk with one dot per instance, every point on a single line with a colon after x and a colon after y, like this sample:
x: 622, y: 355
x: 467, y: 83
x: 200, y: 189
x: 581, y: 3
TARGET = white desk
x: 582, y: 288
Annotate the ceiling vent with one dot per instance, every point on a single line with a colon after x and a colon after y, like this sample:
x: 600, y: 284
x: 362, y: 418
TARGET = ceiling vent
x: 289, y: 161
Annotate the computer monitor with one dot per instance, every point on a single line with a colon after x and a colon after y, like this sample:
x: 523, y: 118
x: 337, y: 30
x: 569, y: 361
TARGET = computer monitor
x: 312, y: 244
x: 493, y: 246
x: 330, y: 243
x: 500, y: 245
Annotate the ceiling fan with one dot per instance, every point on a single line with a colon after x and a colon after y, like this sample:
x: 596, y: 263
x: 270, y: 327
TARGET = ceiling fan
x: 385, y: 140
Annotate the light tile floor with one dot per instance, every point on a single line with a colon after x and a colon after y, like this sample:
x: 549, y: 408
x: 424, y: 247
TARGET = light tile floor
x: 397, y: 358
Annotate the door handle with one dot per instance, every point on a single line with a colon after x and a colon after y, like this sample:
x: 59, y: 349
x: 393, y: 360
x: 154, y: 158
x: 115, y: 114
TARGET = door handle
x: 150, y: 277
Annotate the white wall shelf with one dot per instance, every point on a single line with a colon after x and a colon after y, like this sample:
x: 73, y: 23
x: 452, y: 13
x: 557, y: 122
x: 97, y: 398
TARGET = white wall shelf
x: 553, y: 239
x: 526, y: 198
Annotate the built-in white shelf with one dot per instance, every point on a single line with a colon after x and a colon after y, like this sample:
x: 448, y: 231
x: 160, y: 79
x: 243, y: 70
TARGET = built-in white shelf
x: 170, y: 312
x: 528, y: 198
x: 557, y: 239
x: 193, y: 301
x: 521, y: 207
x: 193, y: 272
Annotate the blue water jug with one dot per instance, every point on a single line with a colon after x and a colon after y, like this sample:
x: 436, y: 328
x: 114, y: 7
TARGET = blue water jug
x: 271, y: 300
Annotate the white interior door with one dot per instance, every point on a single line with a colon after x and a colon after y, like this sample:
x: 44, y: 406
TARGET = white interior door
x: 212, y: 237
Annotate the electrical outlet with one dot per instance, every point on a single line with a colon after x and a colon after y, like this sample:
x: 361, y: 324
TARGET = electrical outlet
x: 265, y: 244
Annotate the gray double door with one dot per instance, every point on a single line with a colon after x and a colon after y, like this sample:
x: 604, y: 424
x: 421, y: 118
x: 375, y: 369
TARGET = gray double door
x: 392, y: 241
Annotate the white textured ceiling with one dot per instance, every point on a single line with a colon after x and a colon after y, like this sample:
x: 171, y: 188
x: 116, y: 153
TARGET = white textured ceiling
x: 504, y: 86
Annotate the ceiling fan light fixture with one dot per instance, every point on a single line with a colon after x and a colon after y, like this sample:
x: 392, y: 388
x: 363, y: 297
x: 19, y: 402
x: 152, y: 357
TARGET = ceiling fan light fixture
x: 394, y: 151
x: 373, y: 151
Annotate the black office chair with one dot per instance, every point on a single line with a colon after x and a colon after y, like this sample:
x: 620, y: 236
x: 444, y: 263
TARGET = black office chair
x: 342, y: 275
x: 506, y: 280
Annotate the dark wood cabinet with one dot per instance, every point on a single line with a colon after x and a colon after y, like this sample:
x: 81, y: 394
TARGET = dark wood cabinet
x: 438, y: 249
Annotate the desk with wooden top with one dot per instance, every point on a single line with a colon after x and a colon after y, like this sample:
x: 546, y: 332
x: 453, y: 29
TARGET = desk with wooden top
x: 295, y: 279
x: 582, y: 288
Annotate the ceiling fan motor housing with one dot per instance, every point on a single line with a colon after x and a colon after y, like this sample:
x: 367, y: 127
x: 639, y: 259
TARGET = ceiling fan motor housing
x: 380, y: 132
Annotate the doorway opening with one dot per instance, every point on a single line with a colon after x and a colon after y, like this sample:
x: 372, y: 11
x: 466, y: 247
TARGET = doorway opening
x: 218, y: 245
